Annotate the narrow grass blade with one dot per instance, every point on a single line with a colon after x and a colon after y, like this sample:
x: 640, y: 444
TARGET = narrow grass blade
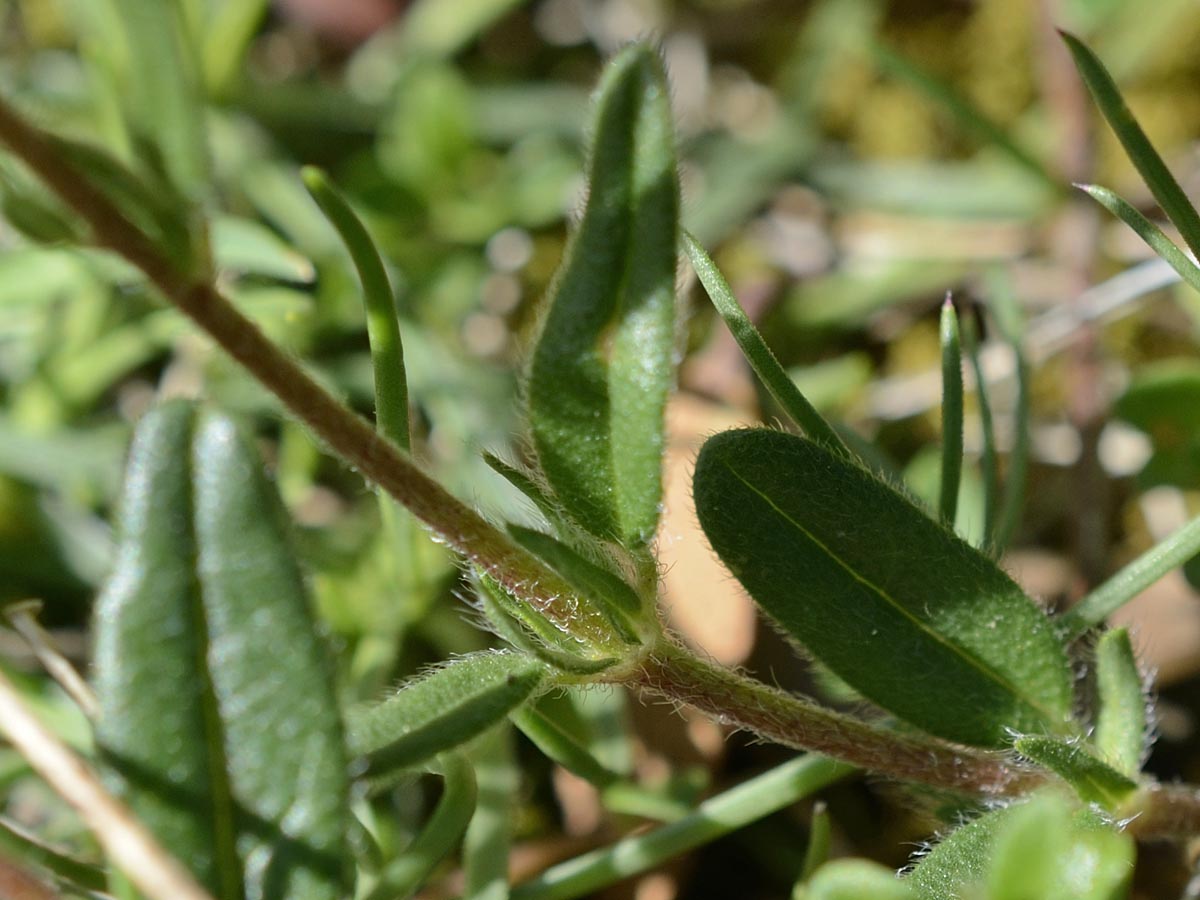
x: 988, y: 461
x: 964, y: 113
x: 383, y: 329
x: 562, y: 748
x: 1011, y: 324
x: 758, y: 354
x: 604, y: 361
x: 952, y: 412
x: 820, y: 832
x: 783, y: 512
x: 1121, y: 718
x: 1147, y: 231
x: 526, y: 484
x: 488, y: 840
x: 1162, y: 183
x: 1152, y: 565
x: 1093, y: 780
x: 748, y: 802
x: 442, y: 709
x: 404, y: 876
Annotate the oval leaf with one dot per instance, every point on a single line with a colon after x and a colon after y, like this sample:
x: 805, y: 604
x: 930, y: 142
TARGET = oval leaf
x: 896, y: 605
x: 604, y: 362
x: 450, y: 705
x: 218, y: 719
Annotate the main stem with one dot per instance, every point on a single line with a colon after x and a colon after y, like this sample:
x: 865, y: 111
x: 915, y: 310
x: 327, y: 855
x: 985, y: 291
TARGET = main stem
x: 675, y: 673
x: 349, y: 436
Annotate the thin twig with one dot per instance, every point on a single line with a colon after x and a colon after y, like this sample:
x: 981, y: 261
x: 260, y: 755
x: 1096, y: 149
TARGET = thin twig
x: 132, y: 848
x: 23, y: 618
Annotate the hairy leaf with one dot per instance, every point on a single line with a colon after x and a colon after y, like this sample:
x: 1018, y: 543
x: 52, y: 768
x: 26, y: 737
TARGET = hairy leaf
x: 856, y: 879
x: 904, y: 611
x: 218, y: 719
x: 1120, y: 736
x: 1044, y: 847
x: 442, y: 709
x: 1093, y: 780
x: 603, y: 364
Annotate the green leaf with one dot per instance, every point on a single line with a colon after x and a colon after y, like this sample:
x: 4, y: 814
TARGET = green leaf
x: 1121, y: 718
x: 1093, y: 780
x: 1147, y: 231
x: 603, y: 364
x: 757, y: 353
x: 404, y: 876
x: 1164, y: 401
x: 856, y: 879
x: 218, y: 719
x: 1045, y: 850
x: 1044, y: 847
x: 249, y: 248
x: 1162, y: 183
x: 440, y: 710
x: 952, y: 412
x: 952, y: 645
x: 607, y: 591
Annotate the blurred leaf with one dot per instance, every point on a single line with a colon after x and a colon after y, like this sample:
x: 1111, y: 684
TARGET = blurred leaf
x: 856, y: 879
x: 217, y: 711
x: 952, y: 413
x: 956, y: 649
x: 1163, y: 400
x: 964, y: 113
x: 603, y: 364
x: 1093, y: 780
x: 1121, y: 727
x: 249, y: 248
x: 442, y: 709
x: 438, y: 29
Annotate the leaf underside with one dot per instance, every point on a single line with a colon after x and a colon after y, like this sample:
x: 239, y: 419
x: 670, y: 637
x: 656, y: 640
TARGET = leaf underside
x: 904, y: 611
x: 218, y: 721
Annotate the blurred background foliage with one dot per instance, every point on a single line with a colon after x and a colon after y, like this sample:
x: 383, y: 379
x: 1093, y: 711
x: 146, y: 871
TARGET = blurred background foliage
x: 849, y: 161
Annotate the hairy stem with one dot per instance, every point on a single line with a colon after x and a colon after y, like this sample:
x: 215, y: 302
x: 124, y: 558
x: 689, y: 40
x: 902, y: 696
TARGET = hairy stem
x: 670, y: 671
x: 345, y: 433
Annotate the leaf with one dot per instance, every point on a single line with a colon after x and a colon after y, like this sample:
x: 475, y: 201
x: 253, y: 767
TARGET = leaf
x: 218, y: 719
x: 785, y: 391
x: 1164, y: 401
x: 1121, y: 719
x: 897, y: 606
x: 1162, y: 183
x: 1046, y: 850
x: 856, y: 879
x: 603, y: 363
x: 445, y: 708
x: 1147, y: 231
x: 1041, y: 848
x: 1093, y: 780
x: 249, y: 248
x: 952, y: 412
x: 608, y: 592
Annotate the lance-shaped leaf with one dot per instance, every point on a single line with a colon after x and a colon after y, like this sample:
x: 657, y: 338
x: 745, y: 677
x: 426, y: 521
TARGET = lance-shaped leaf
x: 1093, y: 780
x: 218, y: 719
x: 905, y: 612
x: 1121, y: 726
x: 603, y: 364
x: 443, y: 709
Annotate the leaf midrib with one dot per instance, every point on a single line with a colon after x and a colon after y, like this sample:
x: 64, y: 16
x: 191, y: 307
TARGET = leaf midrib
x: 973, y: 661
